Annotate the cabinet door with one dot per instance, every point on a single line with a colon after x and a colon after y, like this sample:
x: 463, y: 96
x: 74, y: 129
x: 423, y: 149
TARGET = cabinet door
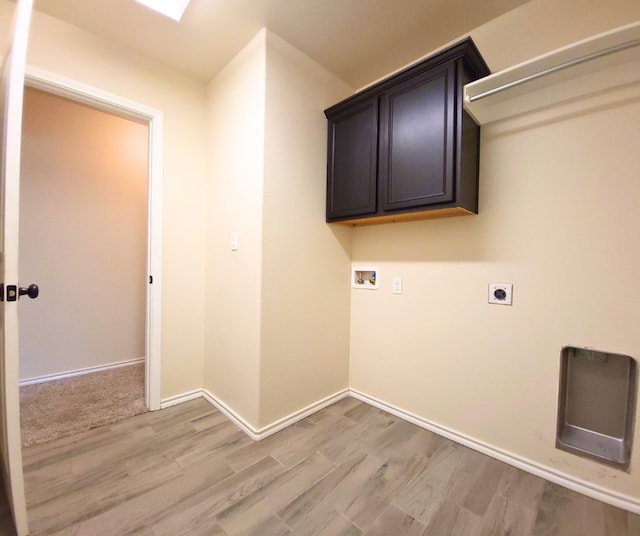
x: 353, y: 148
x: 417, y: 141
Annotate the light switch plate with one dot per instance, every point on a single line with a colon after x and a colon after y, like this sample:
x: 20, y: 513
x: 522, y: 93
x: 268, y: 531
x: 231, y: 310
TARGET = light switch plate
x: 396, y: 285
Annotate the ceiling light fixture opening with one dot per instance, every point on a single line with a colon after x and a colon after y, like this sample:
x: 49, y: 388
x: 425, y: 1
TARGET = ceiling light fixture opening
x: 173, y: 9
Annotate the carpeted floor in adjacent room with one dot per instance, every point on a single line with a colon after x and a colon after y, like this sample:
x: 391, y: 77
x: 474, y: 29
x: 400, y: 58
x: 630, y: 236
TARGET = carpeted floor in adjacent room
x: 60, y: 408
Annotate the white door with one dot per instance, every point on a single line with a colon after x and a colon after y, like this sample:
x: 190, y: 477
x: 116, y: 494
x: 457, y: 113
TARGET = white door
x: 13, y: 70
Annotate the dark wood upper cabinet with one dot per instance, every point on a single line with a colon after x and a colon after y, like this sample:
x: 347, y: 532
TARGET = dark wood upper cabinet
x: 417, y: 140
x: 405, y: 149
x: 353, y: 146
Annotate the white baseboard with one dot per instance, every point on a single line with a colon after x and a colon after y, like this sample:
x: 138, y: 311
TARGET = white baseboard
x: 254, y: 433
x: 303, y: 413
x: 80, y: 372
x: 179, y: 399
x: 626, y: 502
x: 230, y: 414
x: 261, y: 433
x: 619, y: 500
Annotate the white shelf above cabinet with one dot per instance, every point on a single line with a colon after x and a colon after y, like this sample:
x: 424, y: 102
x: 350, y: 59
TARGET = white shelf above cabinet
x: 604, y: 61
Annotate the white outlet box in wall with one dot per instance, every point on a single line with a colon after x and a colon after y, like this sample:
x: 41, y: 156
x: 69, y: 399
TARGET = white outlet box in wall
x: 501, y: 293
x: 366, y: 277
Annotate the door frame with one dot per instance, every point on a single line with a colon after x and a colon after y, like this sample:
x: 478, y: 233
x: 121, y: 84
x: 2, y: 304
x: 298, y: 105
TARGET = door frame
x: 97, y: 98
x: 13, y: 70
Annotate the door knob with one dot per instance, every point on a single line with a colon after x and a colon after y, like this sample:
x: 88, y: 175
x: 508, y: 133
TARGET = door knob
x: 32, y: 291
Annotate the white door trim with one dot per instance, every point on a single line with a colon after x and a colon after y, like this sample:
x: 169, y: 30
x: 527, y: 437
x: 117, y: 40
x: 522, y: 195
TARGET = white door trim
x: 12, y: 75
x: 97, y: 98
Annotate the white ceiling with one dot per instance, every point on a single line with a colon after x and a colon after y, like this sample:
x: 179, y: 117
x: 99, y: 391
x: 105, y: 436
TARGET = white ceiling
x: 358, y: 40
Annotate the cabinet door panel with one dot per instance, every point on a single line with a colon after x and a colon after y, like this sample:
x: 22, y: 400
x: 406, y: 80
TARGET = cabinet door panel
x: 417, y: 132
x: 353, y: 146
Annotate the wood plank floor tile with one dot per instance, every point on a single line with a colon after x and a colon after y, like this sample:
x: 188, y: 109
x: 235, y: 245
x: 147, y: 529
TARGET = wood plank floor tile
x: 292, y: 453
x: 251, y: 511
x: 347, y: 491
x: 360, y: 437
x: 602, y: 520
x: 480, y: 495
x: 505, y: 517
x: 76, y: 505
x: 47, y: 475
x: 400, y: 433
x: 207, y: 421
x: 141, y: 511
x: 323, y: 521
x: 467, y: 476
x: 202, y: 530
x: 395, y: 521
x: 633, y: 524
x: 358, y: 412
x: 335, y: 494
x: 139, y: 444
x: 6, y: 522
x: 210, y: 444
x: 66, y: 483
x: 453, y: 520
x: 257, y: 450
x: 520, y: 487
x: 141, y: 425
x: 348, y: 470
x: 201, y: 509
x: 310, y: 507
x: 392, y: 476
x: 167, y: 418
x: 558, y: 513
x: 341, y: 407
x: 428, y: 490
x: 144, y: 531
x: 271, y: 527
x: 47, y: 452
x: 616, y: 520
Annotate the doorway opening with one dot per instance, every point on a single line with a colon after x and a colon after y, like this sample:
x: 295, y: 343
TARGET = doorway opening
x: 91, y: 227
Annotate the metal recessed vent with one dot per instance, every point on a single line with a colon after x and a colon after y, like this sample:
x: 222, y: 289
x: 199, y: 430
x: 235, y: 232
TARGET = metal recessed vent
x: 596, y: 405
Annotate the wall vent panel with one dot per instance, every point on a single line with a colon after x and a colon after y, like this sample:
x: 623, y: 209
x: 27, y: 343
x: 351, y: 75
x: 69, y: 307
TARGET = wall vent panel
x: 596, y: 405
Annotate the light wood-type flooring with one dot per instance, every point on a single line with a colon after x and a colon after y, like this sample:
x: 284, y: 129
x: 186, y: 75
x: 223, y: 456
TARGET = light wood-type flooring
x: 6, y: 523
x: 349, y: 469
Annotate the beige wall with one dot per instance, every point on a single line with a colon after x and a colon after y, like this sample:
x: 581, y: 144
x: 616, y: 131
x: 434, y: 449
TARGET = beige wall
x: 558, y: 219
x: 69, y: 51
x: 541, y: 26
x: 278, y: 308
x: 556, y: 213
x: 305, y: 285
x: 234, y: 204
x: 83, y: 232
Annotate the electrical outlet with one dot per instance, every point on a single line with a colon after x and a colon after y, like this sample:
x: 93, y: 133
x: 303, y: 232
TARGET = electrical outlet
x: 501, y: 293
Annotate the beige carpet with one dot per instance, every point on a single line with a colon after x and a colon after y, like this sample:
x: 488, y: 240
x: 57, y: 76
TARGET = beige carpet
x: 66, y: 407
